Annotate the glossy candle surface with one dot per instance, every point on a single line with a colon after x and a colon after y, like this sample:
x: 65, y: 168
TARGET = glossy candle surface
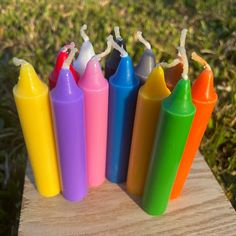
x: 32, y: 101
x: 177, y: 112
x: 67, y: 103
x: 95, y: 89
x: 61, y: 57
x: 146, y: 118
x: 86, y: 52
x: 204, y: 98
x: 113, y: 60
x: 123, y: 91
x: 146, y: 63
x: 173, y: 75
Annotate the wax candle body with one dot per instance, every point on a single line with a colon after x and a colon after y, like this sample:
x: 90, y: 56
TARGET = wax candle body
x: 173, y: 75
x: 32, y: 102
x: 113, y: 60
x: 146, y: 118
x: 146, y: 64
x: 85, y: 54
x: 62, y: 55
x: 95, y: 88
x: 123, y: 90
x: 204, y: 98
x: 177, y: 112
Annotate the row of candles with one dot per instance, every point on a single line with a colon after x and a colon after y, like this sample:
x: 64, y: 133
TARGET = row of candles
x: 141, y: 125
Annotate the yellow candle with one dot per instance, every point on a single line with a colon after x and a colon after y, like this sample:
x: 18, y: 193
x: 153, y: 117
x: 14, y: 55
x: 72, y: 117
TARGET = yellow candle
x: 146, y: 118
x: 32, y: 101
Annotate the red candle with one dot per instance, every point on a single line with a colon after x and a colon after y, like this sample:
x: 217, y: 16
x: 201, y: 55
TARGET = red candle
x: 61, y: 57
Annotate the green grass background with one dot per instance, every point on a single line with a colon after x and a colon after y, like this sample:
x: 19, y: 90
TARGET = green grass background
x: 36, y: 30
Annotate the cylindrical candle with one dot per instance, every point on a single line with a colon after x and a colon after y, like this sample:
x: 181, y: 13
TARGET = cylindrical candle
x: 95, y: 88
x: 86, y: 52
x: 204, y: 98
x: 32, y: 101
x: 67, y: 103
x: 146, y: 118
x: 177, y: 112
x: 61, y: 57
x: 123, y: 90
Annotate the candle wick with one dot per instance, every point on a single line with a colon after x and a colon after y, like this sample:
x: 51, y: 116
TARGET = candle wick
x: 183, y: 37
x: 122, y: 51
x: 200, y: 60
x: 143, y: 40
x: 106, y: 52
x: 169, y: 65
x: 83, y: 34
x: 68, y: 46
x: 69, y: 59
x: 19, y: 62
x: 117, y: 32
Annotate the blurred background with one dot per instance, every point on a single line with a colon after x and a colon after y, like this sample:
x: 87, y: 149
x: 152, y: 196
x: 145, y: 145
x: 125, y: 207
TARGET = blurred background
x: 36, y: 31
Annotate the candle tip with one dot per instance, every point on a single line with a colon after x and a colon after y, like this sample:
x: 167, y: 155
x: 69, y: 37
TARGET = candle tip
x: 169, y: 65
x: 68, y: 46
x: 143, y: 40
x: 183, y: 37
x: 122, y: 51
x: 83, y: 34
x: 19, y: 62
x: 117, y: 32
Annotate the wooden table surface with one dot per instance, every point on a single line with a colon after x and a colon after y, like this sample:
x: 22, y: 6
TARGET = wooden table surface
x: 108, y: 210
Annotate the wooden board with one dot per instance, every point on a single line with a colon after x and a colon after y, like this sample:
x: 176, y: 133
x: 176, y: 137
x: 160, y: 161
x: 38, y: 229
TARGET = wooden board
x: 108, y: 210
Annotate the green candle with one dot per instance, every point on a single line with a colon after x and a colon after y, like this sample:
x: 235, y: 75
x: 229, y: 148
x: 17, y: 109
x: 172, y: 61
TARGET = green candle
x: 177, y: 112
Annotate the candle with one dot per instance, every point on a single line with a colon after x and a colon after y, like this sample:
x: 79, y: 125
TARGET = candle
x: 95, y: 88
x: 147, y: 61
x: 85, y: 54
x: 173, y: 72
x: 177, y: 112
x: 61, y: 57
x: 32, y: 102
x: 113, y: 59
x: 204, y: 98
x: 67, y: 102
x: 123, y: 90
x: 146, y: 118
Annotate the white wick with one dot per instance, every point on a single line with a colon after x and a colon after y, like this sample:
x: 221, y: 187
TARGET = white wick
x: 19, y: 62
x: 169, y: 65
x: 183, y: 54
x: 106, y: 52
x: 117, y: 32
x: 69, y: 59
x: 183, y: 37
x: 83, y: 34
x: 143, y: 40
x: 122, y: 51
x: 68, y: 46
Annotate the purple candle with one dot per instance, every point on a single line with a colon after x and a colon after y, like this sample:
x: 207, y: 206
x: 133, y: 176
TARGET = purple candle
x: 67, y: 102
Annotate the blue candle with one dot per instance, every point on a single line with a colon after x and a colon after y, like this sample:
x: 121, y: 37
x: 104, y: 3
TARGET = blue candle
x: 123, y: 90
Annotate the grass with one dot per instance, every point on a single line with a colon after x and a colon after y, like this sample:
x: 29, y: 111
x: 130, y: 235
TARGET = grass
x: 36, y: 31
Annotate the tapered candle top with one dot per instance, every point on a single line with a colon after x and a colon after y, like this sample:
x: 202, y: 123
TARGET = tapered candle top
x: 29, y: 83
x: 93, y: 77
x: 66, y: 89
x: 85, y: 54
x: 180, y: 100
x: 155, y: 86
x: 203, y: 87
x: 124, y: 75
x: 147, y: 61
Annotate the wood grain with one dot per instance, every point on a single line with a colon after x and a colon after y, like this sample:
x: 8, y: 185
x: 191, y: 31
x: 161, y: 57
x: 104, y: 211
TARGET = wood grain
x: 108, y: 210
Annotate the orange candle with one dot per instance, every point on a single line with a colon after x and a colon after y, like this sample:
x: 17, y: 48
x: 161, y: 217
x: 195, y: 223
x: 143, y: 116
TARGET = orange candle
x: 204, y: 98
